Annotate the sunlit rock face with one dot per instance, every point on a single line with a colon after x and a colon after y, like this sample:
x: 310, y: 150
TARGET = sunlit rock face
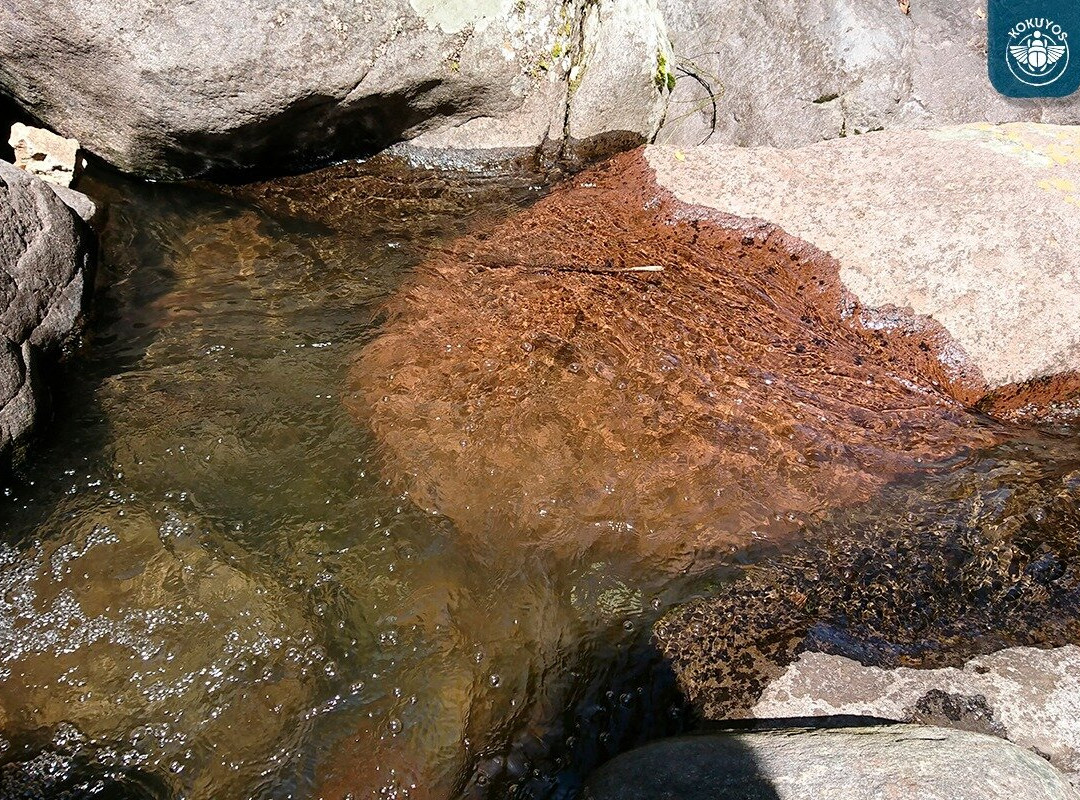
x: 974, y: 226
x: 213, y: 88
x: 619, y: 369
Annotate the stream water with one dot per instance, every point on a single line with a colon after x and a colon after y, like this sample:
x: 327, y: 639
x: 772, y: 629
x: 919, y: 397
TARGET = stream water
x: 209, y: 590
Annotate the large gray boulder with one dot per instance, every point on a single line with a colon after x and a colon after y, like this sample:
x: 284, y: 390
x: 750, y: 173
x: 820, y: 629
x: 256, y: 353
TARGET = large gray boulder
x: 182, y: 89
x: 974, y: 226
x: 1028, y: 695
x: 225, y: 86
x: 788, y: 72
x: 872, y: 763
x: 45, y: 255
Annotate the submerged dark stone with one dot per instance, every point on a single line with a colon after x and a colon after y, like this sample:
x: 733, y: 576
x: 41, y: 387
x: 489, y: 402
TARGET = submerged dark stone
x: 978, y: 560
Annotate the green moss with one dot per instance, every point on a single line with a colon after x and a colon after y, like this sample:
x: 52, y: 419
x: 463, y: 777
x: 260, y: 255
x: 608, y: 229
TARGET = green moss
x: 664, y: 78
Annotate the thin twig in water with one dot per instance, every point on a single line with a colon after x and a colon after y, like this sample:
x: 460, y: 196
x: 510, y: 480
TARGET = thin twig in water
x: 598, y: 270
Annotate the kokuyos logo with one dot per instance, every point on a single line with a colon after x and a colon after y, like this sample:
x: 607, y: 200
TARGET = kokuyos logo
x: 1038, y: 51
x: 1030, y: 53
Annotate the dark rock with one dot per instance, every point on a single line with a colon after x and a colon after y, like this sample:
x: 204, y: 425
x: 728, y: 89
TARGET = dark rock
x: 84, y: 208
x: 45, y: 256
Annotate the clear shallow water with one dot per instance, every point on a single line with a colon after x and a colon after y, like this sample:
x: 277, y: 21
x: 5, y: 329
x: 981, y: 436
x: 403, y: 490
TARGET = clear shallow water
x: 207, y: 590
x: 204, y: 578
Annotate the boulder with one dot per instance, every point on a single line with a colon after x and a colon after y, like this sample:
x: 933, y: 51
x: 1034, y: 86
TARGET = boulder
x: 791, y: 72
x: 45, y: 256
x: 1028, y: 695
x: 212, y: 87
x: 859, y: 763
x: 177, y: 90
x: 45, y: 155
x: 975, y: 227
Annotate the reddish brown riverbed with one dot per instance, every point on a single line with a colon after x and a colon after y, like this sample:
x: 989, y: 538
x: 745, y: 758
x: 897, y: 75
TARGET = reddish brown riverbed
x: 614, y: 369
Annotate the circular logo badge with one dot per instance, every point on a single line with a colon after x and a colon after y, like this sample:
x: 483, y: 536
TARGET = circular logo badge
x: 1038, y: 52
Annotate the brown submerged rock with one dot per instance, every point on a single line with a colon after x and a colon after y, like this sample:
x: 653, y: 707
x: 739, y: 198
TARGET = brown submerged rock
x: 615, y: 367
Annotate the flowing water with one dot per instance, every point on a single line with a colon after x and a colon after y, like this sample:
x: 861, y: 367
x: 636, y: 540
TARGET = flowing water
x: 209, y: 590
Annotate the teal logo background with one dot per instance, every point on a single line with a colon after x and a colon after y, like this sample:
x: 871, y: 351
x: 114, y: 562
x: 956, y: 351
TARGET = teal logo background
x: 1033, y: 47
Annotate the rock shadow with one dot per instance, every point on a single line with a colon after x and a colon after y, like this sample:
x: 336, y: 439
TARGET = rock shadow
x: 695, y: 769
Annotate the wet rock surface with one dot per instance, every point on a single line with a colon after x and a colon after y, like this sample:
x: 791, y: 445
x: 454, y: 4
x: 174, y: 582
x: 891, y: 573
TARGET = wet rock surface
x: 615, y: 368
x: 1027, y: 695
x: 45, y: 257
x: 985, y: 559
x: 953, y: 249
x: 873, y: 763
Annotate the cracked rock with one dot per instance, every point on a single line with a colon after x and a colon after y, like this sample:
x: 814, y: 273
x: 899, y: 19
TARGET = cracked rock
x: 45, y: 257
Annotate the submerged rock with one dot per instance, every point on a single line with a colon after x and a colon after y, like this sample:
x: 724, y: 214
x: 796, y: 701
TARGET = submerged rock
x: 45, y: 256
x: 133, y: 644
x: 1027, y: 695
x: 927, y: 576
x: 882, y: 763
x: 652, y: 363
